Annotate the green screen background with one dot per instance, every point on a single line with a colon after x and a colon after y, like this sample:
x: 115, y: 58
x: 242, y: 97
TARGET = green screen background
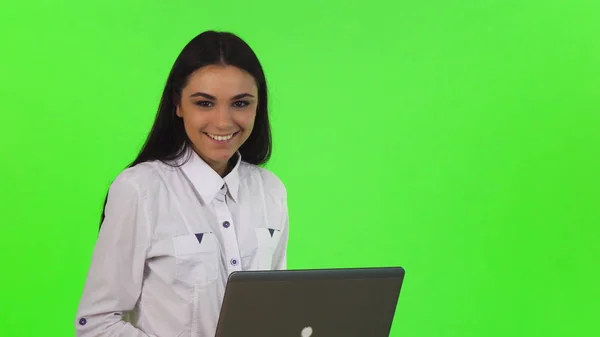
x: 458, y: 139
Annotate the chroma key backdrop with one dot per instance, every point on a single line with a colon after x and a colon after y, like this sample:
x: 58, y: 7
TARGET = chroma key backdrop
x: 458, y: 139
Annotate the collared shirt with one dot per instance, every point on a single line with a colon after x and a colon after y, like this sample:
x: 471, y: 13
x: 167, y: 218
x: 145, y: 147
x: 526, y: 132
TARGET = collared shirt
x: 170, y: 238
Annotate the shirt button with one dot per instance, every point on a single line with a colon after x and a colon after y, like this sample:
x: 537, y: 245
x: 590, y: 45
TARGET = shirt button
x: 234, y: 262
x: 226, y: 224
x: 82, y: 321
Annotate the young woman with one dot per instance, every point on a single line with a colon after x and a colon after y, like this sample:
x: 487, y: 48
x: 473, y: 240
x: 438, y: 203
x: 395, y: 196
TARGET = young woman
x: 194, y: 206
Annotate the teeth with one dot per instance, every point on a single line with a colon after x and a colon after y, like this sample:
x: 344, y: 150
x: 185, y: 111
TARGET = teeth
x: 220, y: 138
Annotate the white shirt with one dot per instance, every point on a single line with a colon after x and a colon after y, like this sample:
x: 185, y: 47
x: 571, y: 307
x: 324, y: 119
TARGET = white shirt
x: 170, y: 239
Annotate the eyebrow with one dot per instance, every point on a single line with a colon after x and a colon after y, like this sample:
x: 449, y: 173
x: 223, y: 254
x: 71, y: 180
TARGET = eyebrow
x: 207, y: 96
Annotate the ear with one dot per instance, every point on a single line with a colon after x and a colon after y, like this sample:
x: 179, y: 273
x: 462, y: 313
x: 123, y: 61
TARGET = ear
x: 178, y: 111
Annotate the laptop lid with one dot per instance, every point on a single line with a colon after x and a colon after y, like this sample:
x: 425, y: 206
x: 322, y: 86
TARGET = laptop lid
x: 311, y: 303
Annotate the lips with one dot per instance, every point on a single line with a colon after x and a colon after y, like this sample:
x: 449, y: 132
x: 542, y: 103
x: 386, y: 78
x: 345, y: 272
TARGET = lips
x: 222, y: 138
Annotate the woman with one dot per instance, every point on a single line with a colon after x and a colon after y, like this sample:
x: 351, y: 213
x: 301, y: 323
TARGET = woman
x: 194, y: 206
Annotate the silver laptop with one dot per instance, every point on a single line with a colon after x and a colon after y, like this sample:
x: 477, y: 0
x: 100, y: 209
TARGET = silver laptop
x: 311, y: 303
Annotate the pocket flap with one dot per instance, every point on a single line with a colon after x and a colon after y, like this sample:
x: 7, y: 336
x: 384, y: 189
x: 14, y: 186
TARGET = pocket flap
x: 194, y: 243
x: 268, y: 237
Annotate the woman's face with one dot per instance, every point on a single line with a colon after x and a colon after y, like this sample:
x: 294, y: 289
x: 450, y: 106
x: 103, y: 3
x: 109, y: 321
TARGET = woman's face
x: 218, y: 107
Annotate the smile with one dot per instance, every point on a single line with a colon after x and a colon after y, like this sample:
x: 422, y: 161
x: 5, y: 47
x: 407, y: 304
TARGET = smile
x: 220, y: 138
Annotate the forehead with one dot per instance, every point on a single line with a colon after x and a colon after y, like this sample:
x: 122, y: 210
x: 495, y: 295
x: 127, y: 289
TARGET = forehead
x: 221, y: 81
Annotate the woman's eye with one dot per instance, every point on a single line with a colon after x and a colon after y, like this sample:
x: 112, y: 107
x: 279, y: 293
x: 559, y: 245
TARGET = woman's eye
x: 204, y: 104
x: 241, y: 104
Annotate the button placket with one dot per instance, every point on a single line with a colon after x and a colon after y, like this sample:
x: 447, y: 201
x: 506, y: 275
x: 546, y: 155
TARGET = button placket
x: 227, y: 232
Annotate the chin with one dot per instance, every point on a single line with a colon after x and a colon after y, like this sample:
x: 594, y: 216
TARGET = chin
x: 221, y: 156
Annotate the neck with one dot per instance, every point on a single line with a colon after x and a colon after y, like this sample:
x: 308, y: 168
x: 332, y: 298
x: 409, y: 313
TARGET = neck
x: 222, y: 169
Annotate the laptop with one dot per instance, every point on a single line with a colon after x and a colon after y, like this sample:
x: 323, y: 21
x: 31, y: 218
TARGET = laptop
x: 357, y: 302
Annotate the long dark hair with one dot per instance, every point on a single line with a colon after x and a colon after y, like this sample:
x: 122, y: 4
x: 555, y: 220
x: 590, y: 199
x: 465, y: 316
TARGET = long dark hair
x: 167, y: 137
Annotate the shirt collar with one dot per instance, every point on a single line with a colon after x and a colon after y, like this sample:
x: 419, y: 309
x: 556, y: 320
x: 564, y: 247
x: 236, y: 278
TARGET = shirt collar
x: 206, y: 181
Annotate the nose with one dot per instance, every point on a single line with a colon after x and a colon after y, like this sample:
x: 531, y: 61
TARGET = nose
x: 223, y: 119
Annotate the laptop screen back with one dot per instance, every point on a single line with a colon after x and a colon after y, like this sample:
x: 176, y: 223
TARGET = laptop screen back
x: 348, y: 303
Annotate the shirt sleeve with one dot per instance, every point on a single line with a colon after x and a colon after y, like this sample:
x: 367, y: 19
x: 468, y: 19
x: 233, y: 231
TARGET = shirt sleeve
x: 114, y: 281
x: 280, y: 256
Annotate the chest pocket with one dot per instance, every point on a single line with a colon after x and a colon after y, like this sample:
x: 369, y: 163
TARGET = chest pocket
x: 196, y: 258
x: 267, y: 240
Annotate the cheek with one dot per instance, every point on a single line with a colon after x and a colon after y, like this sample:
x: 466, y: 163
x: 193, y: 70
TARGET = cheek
x: 192, y: 126
x: 247, y: 121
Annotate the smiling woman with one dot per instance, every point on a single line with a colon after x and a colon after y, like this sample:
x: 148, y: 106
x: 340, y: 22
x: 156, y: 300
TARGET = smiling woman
x: 183, y: 215
x: 218, y: 109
